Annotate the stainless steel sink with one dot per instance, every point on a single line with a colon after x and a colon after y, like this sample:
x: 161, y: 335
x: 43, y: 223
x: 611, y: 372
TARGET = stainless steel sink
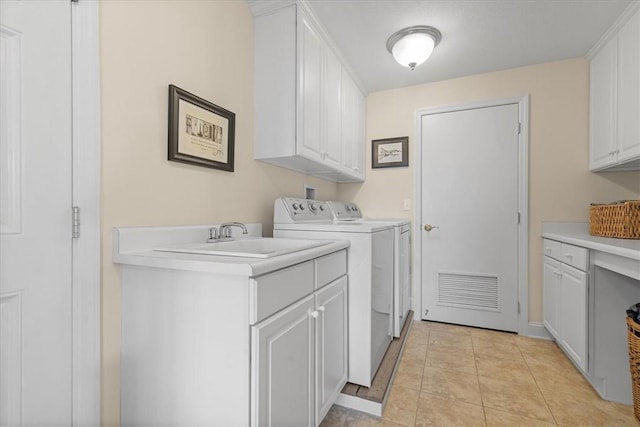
x: 263, y: 247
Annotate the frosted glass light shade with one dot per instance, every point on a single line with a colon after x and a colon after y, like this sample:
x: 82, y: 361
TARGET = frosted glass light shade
x: 413, y: 49
x: 412, y: 46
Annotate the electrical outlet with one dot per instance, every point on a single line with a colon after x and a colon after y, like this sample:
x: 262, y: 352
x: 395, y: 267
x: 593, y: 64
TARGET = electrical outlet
x: 406, y: 204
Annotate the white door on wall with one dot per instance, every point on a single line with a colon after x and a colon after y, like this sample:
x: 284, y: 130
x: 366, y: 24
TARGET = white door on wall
x: 470, y: 198
x: 35, y: 213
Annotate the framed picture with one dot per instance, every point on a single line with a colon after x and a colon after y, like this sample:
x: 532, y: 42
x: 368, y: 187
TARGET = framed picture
x: 390, y: 152
x: 200, y: 132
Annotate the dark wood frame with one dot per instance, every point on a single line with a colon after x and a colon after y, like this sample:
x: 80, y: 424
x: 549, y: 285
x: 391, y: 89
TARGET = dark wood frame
x: 376, y: 143
x: 175, y: 95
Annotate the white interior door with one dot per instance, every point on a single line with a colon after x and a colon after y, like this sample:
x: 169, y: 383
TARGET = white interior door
x: 35, y: 214
x: 470, y: 197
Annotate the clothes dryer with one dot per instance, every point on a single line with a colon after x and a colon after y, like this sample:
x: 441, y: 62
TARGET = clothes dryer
x: 350, y: 212
x: 370, y: 273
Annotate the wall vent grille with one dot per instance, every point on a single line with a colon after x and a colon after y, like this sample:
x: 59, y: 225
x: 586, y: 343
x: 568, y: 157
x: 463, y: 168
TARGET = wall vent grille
x: 469, y: 291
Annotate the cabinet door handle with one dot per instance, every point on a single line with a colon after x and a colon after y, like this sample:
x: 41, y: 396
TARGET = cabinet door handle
x: 321, y: 309
x: 314, y: 314
x: 569, y: 256
x: 547, y: 249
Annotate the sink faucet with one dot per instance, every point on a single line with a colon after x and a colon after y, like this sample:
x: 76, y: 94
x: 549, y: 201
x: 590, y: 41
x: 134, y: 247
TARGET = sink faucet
x: 224, y: 232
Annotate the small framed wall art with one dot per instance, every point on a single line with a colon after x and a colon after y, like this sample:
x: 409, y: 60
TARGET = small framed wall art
x: 390, y: 152
x: 200, y: 132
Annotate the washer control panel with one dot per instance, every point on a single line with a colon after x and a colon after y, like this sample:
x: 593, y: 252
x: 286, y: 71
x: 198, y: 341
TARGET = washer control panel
x: 288, y: 209
x: 345, y: 210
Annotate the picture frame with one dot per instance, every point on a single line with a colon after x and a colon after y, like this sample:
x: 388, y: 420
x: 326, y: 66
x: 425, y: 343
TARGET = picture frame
x: 390, y: 152
x: 201, y: 133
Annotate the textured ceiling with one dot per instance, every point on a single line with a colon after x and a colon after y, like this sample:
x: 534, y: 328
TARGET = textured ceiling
x: 478, y: 36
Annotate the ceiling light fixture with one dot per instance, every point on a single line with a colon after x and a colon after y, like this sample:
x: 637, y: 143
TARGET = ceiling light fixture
x: 412, y: 46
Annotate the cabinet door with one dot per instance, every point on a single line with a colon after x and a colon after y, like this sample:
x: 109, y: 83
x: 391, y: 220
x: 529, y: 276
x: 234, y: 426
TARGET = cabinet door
x: 628, y: 136
x: 551, y: 295
x: 333, y: 111
x: 331, y: 344
x: 603, y: 107
x: 573, y: 314
x: 352, y: 127
x: 283, y: 375
x: 310, y: 51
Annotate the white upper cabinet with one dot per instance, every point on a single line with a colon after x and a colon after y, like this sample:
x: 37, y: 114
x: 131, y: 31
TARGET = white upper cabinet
x: 306, y: 101
x: 615, y: 100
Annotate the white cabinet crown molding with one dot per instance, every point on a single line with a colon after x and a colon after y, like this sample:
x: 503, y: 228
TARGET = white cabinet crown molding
x: 614, y: 29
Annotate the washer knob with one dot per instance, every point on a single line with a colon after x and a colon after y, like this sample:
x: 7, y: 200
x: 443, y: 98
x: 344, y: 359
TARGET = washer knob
x: 322, y: 208
x: 312, y: 207
x: 295, y: 206
x: 301, y: 207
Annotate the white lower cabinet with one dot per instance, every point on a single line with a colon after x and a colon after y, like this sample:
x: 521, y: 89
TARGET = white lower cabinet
x: 331, y: 345
x: 573, y: 314
x: 299, y: 359
x: 233, y: 349
x: 283, y: 367
x: 551, y: 295
x: 565, y: 292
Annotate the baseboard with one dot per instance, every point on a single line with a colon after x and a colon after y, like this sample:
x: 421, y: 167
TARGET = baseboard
x: 537, y: 330
x: 359, y: 404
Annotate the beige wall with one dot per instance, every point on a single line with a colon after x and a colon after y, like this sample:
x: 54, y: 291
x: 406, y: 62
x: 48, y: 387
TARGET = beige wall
x: 205, y: 48
x: 560, y: 184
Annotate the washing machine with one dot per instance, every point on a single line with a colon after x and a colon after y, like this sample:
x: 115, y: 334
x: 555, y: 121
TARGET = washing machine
x: 350, y: 212
x: 370, y: 273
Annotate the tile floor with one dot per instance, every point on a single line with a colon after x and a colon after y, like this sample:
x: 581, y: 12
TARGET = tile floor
x: 456, y: 376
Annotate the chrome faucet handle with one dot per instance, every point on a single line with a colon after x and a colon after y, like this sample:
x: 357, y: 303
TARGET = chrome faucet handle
x: 213, y: 234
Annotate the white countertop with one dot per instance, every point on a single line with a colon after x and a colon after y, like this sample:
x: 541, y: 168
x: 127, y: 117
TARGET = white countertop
x: 134, y: 246
x: 577, y: 233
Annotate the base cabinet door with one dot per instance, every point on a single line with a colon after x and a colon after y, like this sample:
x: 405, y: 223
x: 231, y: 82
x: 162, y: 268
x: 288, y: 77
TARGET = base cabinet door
x: 551, y: 295
x: 573, y: 314
x: 331, y: 344
x: 283, y: 367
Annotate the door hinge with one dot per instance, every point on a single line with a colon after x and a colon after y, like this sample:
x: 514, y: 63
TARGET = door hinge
x: 519, y: 125
x: 518, y: 307
x: 75, y: 1
x: 518, y: 217
x: 76, y: 222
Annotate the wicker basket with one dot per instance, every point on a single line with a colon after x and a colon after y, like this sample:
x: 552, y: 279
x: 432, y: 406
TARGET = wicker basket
x: 621, y: 219
x: 634, y: 363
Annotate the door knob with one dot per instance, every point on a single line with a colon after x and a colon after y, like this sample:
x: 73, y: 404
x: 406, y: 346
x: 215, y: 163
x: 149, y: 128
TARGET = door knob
x: 429, y: 227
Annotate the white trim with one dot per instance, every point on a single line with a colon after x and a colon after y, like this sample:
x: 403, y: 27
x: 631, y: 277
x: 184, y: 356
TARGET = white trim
x: 86, y: 195
x: 614, y: 29
x: 12, y: 140
x: 359, y: 404
x: 537, y: 330
x: 523, y: 202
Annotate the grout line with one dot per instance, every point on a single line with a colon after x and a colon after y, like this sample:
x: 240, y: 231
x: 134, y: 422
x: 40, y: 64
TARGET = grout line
x: 538, y: 386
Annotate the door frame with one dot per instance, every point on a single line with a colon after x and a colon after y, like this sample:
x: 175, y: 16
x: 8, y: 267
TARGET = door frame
x: 86, y: 169
x: 523, y: 202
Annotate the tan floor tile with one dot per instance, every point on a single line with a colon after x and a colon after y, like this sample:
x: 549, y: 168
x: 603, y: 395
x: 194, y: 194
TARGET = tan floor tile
x: 336, y: 417
x: 513, y: 370
x: 401, y: 405
x: 496, y: 336
x: 419, y: 335
x: 572, y: 409
x: 520, y: 399
x: 502, y: 350
x: 545, y: 351
x: 409, y: 375
x: 414, y: 354
x: 454, y: 341
x: 445, y: 358
x: 451, y: 385
x: 451, y: 328
x: 435, y: 411
x: 496, y: 418
x: 560, y: 376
